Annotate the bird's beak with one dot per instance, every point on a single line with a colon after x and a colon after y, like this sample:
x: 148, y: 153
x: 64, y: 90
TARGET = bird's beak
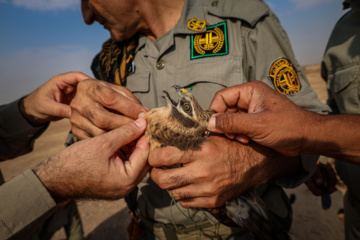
x: 169, y: 99
x: 179, y: 89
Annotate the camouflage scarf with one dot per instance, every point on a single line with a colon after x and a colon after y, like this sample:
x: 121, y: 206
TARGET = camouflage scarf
x: 114, y: 62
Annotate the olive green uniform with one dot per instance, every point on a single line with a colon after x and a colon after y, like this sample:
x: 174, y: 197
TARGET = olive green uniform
x: 341, y: 70
x: 25, y: 202
x: 252, y: 40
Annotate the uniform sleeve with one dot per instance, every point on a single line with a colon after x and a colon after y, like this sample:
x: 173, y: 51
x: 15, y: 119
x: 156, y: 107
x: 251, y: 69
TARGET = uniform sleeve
x: 17, y: 135
x: 263, y: 45
x: 24, y: 203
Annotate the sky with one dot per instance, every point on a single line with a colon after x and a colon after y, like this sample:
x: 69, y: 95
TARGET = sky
x: 42, y: 38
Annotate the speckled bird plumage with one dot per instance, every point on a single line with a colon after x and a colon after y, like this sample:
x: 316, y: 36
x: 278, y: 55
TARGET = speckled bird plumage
x: 183, y: 124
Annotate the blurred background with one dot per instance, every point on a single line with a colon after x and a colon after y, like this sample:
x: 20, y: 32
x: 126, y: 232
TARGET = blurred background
x: 41, y: 38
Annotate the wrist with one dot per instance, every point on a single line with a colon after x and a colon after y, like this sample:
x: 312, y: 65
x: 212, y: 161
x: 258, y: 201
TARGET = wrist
x: 25, y: 110
x: 54, y: 185
x: 312, y: 136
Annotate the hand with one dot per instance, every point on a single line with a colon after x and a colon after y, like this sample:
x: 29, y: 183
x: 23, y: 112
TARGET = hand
x: 324, y: 177
x: 97, y: 106
x: 94, y: 168
x: 261, y: 114
x: 220, y: 171
x: 51, y: 101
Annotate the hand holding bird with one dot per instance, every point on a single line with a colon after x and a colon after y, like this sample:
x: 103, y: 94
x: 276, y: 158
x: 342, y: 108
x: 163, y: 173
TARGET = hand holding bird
x: 214, y: 169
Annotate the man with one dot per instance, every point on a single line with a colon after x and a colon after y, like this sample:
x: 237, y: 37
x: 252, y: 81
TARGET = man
x: 88, y: 170
x: 340, y: 68
x: 270, y: 119
x: 203, y: 46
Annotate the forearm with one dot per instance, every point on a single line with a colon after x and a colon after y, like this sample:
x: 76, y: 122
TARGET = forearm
x: 23, y: 194
x: 276, y: 166
x: 17, y: 135
x: 335, y: 136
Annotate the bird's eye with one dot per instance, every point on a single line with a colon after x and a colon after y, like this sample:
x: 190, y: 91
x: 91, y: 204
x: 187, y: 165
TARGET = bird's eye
x: 187, y: 107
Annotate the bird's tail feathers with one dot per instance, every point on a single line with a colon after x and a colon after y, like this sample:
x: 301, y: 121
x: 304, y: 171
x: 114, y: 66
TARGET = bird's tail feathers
x: 250, y: 213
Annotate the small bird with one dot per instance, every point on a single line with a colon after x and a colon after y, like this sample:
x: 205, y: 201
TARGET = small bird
x: 183, y: 125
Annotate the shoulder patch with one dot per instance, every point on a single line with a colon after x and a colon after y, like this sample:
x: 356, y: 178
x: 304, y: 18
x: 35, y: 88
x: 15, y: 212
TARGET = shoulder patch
x: 213, y: 42
x: 284, y: 77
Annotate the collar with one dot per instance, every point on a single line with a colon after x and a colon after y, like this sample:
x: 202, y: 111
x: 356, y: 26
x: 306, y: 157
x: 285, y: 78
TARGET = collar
x: 191, y: 9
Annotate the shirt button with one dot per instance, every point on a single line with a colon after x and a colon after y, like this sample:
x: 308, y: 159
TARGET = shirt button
x: 160, y: 65
x: 214, y: 3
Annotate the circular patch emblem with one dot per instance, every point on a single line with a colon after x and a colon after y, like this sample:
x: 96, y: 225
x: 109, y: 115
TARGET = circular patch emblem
x: 284, y: 77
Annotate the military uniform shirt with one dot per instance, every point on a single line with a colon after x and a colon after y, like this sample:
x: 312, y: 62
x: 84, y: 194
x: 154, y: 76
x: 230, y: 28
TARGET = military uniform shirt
x: 254, y: 40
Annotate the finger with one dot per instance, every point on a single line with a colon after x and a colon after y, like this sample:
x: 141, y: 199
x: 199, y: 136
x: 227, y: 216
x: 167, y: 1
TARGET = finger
x: 235, y: 123
x: 82, y: 128
x: 125, y: 134
x: 138, y: 159
x: 236, y: 96
x: 230, y: 135
x: 170, y: 178
x: 56, y: 109
x: 202, y: 202
x: 225, y: 99
x: 242, y: 138
x: 70, y: 78
x: 99, y: 116
x: 117, y: 101
x: 125, y: 92
x: 169, y: 156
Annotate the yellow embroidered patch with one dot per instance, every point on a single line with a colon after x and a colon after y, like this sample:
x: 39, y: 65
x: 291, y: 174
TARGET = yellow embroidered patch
x: 284, y: 77
x: 196, y: 25
x: 213, y: 42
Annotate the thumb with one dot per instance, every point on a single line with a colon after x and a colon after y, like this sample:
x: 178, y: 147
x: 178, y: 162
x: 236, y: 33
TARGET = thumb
x: 235, y: 123
x: 124, y: 135
x: 138, y: 159
x: 56, y: 109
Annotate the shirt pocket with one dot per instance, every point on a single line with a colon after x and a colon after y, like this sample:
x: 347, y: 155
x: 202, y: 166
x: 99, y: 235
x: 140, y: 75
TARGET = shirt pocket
x: 139, y: 84
x: 344, y: 85
x: 204, y: 77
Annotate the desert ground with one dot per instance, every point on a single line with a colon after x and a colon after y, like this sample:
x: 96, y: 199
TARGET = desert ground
x: 108, y: 219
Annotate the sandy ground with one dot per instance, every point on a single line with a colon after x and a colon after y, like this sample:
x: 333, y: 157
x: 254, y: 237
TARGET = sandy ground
x: 108, y: 219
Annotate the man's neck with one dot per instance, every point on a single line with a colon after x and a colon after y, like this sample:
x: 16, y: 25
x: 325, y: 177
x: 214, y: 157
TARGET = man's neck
x: 161, y: 17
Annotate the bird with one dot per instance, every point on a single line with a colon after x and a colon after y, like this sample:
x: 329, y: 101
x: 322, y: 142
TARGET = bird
x: 183, y: 124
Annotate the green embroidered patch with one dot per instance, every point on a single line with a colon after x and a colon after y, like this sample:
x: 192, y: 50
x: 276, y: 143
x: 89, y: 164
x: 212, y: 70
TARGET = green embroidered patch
x: 213, y: 42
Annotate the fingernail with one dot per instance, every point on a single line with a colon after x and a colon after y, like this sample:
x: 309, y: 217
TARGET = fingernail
x: 141, y: 115
x: 141, y: 123
x: 211, y: 124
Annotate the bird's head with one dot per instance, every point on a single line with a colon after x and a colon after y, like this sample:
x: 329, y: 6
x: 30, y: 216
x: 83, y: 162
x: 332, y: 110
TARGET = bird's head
x: 187, y: 104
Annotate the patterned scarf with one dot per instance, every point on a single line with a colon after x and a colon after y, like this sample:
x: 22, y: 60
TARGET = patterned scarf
x: 114, y: 62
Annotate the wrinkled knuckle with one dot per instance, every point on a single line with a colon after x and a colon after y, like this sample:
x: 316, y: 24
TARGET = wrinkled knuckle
x: 205, y: 173
x: 110, y: 97
x: 88, y: 113
x: 187, y: 203
x: 213, y: 189
x: 224, y: 122
x: 162, y: 181
x: 99, y: 120
x: 164, y: 155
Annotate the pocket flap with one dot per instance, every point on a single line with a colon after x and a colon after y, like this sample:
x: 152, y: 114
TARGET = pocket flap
x: 342, y: 78
x: 139, y: 83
